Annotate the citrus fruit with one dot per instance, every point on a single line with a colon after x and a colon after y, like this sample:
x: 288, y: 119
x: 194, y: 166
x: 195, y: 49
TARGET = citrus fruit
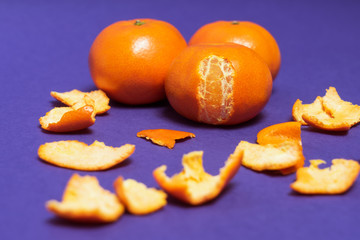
x: 129, y: 60
x: 248, y: 34
x: 218, y: 84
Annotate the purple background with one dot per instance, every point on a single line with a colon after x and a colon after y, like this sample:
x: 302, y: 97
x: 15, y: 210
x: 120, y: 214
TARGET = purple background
x: 44, y: 46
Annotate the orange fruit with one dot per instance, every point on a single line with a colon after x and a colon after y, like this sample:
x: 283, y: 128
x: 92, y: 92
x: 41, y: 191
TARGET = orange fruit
x: 218, y: 84
x: 247, y: 34
x: 129, y: 60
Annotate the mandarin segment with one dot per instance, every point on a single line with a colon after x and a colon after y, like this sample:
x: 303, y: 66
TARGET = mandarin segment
x: 101, y: 101
x: 336, y: 179
x: 84, y: 200
x: 281, y: 156
x: 80, y: 156
x: 164, y: 137
x: 193, y: 185
x: 138, y: 198
x: 68, y: 119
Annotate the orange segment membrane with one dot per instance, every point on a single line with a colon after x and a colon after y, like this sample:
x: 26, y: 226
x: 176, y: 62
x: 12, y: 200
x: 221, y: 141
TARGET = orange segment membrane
x: 164, y: 137
x: 215, y: 90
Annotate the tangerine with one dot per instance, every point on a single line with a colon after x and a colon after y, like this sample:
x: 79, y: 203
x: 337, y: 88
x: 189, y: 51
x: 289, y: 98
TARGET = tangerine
x: 129, y: 60
x: 245, y: 33
x: 218, y: 83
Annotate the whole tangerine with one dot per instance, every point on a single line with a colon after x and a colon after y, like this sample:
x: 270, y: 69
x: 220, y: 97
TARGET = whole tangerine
x: 218, y: 84
x: 245, y: 33
x: 129, y: 60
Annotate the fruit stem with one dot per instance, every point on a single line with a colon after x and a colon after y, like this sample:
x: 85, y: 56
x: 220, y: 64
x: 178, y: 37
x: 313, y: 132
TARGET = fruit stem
x: 235, y: 22
x: 139, y: 22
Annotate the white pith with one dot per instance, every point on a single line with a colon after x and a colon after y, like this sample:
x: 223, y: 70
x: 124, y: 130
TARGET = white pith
x: 225, y: 105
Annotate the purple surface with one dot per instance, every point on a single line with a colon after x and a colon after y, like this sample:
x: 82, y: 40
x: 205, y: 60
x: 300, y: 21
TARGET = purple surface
x: 44, y: 46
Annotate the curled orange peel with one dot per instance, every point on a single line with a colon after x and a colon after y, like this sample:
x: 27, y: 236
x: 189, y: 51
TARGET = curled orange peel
x: 67, y: 119
x: 101, y: 101
x: 84, y: 200
x: 281, y: 132
x: 164, y: 137
x: 327, y: 113
x: 138, y: 198
x: 285, y: 156
x: 78, y: 155
x: 336, y: 179
x: 193, y: 185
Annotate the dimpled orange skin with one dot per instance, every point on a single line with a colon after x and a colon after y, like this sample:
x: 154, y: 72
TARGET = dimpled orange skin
x: 252, y: 82
x: 129, y: 61
x: 245, y: 33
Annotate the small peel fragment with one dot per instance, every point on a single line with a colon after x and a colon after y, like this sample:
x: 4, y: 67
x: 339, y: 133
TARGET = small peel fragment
x: 164, y: 137
x: 101, y: 101
x: 68, y: 119
x: 84, y: 200
x: 282, y: 156
x: 138, y: 198
x: 78, y: 155
x: 336, y: 179
x: 193, y: 185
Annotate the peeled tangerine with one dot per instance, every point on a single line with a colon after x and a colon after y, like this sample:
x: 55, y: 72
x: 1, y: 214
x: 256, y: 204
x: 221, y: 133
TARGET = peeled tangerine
x: 193, y: 185
x: 164, y: 137
x: 84, y: 200
x: 78, y: 155
x: 336, y: 179
x: 220, y: 84
x: 328, y: 113
x: 282, y: 156
x: 66, y: 119
x: 138, y: 198
x: 101, y: 101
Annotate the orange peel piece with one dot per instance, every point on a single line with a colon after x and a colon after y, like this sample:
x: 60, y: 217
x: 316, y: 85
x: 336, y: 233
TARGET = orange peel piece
x: 138, y: 198
x: 336, y: 179
x: 281, y: 156
x: 84, y: 200
x: 314, y: 108
x: 340, y: 109
x: 164, y: 137
x: 328, y: 113
x: 68, y: 119
x: 193, y: 185
x: 281, y: 132
x: 101, y: 101
x: 80, y: 156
